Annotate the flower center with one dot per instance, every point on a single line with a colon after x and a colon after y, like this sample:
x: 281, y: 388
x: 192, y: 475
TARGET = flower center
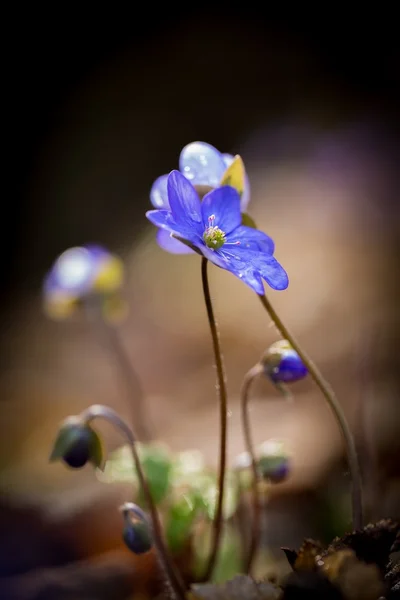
x: 213, y: 236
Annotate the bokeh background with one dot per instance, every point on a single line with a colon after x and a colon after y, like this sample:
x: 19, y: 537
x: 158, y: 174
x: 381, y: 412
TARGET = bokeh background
x: 100, y: 105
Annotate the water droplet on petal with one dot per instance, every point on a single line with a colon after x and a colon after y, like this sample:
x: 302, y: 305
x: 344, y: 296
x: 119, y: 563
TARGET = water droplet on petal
x: 202, y: 164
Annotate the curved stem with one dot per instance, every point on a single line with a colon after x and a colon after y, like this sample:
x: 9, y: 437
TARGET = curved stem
x: 110, y: 415
x: 223, y: 403
x: 244, y: 404
x: 129, y: 376
x: 336, y: 409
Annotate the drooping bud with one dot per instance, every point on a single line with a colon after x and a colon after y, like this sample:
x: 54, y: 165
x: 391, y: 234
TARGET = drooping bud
x: 282, y: 364
x: 77, y: 444
x: 273, y: 461
x: 137, y: 533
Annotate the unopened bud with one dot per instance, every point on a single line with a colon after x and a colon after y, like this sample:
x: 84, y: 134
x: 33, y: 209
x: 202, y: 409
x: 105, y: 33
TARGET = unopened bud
x: 282, y: 364
x: 77, y: 444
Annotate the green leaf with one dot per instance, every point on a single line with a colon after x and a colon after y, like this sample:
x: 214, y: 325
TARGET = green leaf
x: 156, y: 464
x: 181, y: 517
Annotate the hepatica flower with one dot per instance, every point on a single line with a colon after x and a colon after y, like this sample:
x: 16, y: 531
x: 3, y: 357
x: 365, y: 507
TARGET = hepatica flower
x: 78, y: 273
x: 213, y: 227
x: 206, y: 168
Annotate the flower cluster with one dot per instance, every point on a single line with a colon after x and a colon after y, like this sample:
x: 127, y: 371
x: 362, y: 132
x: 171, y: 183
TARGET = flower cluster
x: 206, y: 168
x: 213, y: 225
x: 199, y: 208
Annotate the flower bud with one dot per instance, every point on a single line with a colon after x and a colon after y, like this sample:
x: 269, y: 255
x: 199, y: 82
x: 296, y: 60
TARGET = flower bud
x: 137, y: 532
x: 78, y: 273
x: 273, y: 461
x: 282, y: 364
x: 77, y: 444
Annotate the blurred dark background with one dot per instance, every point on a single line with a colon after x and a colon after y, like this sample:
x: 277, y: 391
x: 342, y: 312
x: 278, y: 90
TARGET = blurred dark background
x: 99, y: 103
x: 209, y: 71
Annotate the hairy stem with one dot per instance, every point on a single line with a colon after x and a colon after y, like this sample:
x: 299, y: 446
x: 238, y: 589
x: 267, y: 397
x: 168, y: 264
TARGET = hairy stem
x: 244, y: 403
x: 223, y: 403
x: 336, y: 409
x: 110, y: 415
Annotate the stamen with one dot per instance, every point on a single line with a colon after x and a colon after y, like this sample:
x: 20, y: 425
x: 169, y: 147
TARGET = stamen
x: 213, y: 236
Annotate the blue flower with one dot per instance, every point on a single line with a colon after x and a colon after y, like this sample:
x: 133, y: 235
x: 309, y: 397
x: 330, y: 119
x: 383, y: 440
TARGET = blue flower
x: 273, y: 461
x: 282, y: 364
x: 77, y: 273
x: 203, y: 165
x: 213, y: 227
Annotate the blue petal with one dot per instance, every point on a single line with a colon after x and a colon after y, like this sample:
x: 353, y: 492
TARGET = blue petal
x: 228, y: 159
x: 184, y: 201
x: 171, y: 244
x: 245, y: 199
x: 239, y: 264
x: 214, y: 256
x: 224, y: 204
x: 274, y: 274
x: 252, y: 239
x: 75, y: 270
x: 252, y: 279
x: 165, y: 220
x: 201, y: 164
x: 291, y: 368
x: 159, y: 193
x: 241, y: 260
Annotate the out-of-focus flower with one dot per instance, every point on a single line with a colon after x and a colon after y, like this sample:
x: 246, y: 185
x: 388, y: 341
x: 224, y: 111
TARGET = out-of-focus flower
x: 273, y: 461
x: 137, y: 532
x: 214, y: 228
x: 81, y: 272
x: 77, y: 444
x: 206, y: 168
x: 282, y: 364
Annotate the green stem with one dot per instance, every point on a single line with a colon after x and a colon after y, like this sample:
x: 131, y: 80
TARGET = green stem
x: 110, y: 415
x: 223, y: 403
x: 336, y: 409
x: 244, y: 403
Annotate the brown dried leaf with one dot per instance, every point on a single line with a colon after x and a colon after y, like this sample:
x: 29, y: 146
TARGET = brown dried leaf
x: 291, y: 556
x: 372, y: 544
x: 310, y: 585
x: 392, y: 577
x: 354, y: 578
x: 306, y: 557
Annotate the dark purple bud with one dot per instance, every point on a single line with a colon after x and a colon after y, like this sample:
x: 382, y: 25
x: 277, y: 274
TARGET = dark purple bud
x: 282, y: 364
